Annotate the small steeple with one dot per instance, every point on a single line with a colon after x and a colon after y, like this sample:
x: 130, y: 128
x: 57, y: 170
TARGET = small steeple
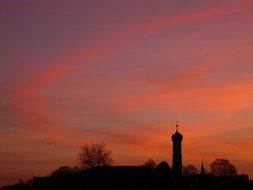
x: 202, y: 172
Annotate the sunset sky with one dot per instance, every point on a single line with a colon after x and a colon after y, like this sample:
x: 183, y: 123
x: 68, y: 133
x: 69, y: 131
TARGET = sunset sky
x: 122, y: 72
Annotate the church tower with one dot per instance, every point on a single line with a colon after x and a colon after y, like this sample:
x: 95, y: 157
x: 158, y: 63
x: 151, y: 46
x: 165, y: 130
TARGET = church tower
x: 177, y: 152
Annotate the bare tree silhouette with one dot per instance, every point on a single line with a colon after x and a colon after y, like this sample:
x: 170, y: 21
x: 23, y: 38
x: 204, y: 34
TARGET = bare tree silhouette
x: 222, y: 167
x: 150, y: 163
x: 190, y: 170
x: 94, y: 155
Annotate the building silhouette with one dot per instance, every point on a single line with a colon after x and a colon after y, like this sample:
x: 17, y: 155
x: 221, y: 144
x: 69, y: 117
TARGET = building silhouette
x: 177, y: 152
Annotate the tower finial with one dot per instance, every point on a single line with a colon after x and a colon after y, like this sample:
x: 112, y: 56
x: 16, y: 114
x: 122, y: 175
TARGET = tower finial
x: 177, y: 126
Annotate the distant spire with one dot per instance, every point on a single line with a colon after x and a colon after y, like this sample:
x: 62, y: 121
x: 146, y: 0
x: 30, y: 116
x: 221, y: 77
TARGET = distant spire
x: 177, y: 126
x: 202, y: 169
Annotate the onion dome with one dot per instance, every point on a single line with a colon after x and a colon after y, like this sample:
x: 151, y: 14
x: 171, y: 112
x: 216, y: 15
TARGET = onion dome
x: 177, y: 136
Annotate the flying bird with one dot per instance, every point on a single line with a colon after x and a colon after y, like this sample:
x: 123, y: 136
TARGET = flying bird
x: 50, y: 143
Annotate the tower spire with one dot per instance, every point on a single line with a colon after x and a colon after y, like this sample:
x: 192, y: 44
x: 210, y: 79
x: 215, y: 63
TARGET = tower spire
x: 177, y: 126
x: 202, y: 169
